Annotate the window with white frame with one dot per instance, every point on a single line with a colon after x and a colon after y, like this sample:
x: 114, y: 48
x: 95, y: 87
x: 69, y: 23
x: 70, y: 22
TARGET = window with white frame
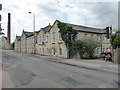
x: 53, y: 51
x: 53, y: 36
x: 47, y: 51
x: 60, y: 51
x: 43, y: 51
x: 98, y: 37
x: 40, y: 39
x: 46, y: 39
x: 60, y: 38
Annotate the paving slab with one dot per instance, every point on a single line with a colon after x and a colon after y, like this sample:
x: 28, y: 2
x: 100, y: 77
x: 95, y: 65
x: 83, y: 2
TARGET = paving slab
x: 6, y: 81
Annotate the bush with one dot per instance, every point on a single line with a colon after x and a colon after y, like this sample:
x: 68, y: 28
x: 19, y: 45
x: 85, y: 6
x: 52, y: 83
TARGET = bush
x: 85, y: 56
x: 84, y: 48
x: 115, y: 40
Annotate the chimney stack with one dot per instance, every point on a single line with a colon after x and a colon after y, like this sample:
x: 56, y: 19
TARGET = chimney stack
x: 9, y: 29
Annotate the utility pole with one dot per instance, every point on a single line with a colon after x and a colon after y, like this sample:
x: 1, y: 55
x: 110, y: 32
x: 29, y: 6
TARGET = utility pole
x: 85, y: 20
x: 33, y: 28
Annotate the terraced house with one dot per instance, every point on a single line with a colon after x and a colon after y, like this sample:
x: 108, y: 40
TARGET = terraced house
x: 49, y: 41
x: 21, y: 42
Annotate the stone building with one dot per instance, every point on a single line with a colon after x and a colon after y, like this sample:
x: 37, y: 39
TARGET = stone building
x: 23, y: 41
x: 4, y: 44
x: 17, y: 44
x: 51, y: 43
x: 30, y: 43
x: 48, y: 40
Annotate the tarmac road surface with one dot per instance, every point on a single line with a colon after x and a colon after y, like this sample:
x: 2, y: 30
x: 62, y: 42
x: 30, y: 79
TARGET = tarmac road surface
x: 28, y: 71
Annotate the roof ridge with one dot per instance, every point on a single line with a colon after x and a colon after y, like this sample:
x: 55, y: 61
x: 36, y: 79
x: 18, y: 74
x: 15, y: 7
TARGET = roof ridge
x: 84, y: 26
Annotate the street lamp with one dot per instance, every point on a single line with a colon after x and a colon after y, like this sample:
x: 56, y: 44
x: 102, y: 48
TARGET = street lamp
x: 33, y: 27
x: 85, y: 19
x: 33, y: 20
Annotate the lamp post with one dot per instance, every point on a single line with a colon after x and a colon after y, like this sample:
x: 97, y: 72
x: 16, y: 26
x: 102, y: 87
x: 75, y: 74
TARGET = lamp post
x: 33, y: 28
x: 85, y: 19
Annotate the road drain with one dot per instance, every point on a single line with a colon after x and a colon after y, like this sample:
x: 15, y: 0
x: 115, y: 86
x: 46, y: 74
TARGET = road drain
x: 71, y: 81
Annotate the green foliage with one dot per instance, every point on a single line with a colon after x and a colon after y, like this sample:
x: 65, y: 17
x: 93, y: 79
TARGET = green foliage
x: 90, y: 46
x: 66, y: 31
x: 78, y: 47
x: 86, y: 55
x: 115, y: 41
x: 83, y: 48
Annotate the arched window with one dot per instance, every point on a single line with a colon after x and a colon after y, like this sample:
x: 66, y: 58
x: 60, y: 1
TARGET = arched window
x: 43, y: 51
x: 60, y: 51
x: 53, y: 51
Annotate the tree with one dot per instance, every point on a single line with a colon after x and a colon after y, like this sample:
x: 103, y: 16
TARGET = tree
x: 84, y: 48
x: 68, y: 34
x: 78, y: 46
x: 115, y: 39
x: 90, y: 47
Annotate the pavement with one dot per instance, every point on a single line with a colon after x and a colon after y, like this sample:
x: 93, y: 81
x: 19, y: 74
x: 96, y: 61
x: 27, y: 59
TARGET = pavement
x: 5, y: 80
x: 99, y: 64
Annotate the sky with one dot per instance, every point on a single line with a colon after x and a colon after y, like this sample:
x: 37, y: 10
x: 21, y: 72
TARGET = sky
x: 81, y: 12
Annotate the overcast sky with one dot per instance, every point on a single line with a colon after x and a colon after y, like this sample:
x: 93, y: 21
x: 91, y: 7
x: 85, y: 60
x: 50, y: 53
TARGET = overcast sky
x: 98, y: 14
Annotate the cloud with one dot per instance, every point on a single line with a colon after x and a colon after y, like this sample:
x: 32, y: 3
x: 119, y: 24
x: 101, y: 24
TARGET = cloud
x: 98, y: 14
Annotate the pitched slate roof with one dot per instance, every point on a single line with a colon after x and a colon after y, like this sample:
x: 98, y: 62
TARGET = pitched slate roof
x: 4, y: 37
x: 28, y: 33
x: 18, y: 37
x: 86, y: 28
x: 47, y: 28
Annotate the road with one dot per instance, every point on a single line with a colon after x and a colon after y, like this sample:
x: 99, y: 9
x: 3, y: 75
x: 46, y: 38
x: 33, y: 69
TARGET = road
x: 29, y: 71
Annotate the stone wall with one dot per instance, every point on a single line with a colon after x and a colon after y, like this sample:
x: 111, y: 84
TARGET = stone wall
x: 116, y: 55
x: 119, y: 55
